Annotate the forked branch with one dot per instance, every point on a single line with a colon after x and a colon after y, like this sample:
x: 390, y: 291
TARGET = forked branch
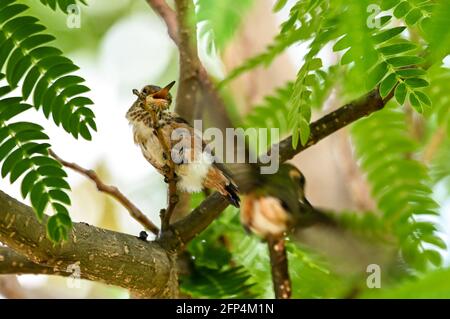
x: 113, y: 191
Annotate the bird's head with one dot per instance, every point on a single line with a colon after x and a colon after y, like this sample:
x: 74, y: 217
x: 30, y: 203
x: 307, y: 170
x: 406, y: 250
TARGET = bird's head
x: 277, y: 204
x: 152, y: 96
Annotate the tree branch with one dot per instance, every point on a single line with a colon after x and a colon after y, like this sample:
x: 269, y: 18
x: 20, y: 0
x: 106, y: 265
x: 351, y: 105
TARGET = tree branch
x: 210, y: 208
x: 102, y: 255
x: 169, y: 17
x: 184, y: 230
x: 334, y: 121
x: 113, y: 191
x: 188, y: 84
x: 194, y: 80
x: 279, y: 266
x: 14, y: 263
x: 320, y: 129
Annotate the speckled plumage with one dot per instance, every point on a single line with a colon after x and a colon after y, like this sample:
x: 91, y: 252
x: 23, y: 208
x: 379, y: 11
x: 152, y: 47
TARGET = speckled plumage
x: 197, y: 170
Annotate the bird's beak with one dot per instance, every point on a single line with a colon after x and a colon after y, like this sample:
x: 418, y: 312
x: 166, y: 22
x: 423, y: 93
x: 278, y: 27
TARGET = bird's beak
x: 162, y: 94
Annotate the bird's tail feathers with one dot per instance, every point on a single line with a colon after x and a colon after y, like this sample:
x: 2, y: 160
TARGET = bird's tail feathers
x: 232, y: 194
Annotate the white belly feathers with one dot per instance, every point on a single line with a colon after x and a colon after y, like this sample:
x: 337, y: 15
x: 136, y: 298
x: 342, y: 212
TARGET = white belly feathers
x: 191, y: 175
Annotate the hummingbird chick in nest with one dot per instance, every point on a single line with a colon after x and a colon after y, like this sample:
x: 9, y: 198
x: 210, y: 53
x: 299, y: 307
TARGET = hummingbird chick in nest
x: 194, y: 165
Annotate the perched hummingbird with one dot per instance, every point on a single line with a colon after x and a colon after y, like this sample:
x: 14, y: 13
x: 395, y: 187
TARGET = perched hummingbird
x: 150, y: 114
x: 278, y: 205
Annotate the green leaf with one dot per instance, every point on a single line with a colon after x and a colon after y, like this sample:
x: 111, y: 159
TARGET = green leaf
x: 415, y: 103
x: 280, y: 4
x: 402, y: 9
x: 59, y: 195
x: 45, y: 161
x: 20, y: 168
x: 39, y: 199
x: 11, y: 160
x: 388, y: 34
x: 27, y: 183
x: 408, y: 73
x: 342, y: 44
x: 433, y: 256
x: 388, y: 84
x: 423, y: 98
x: 402, y: 61
x: 295, y: 135
x: 304, y: 130
x: 58, y: 227
x: 314, y: 64
x: 435, y: 31
x: 388, y: 4
x: 6, y: 147
x: 416, y: 82
x: 55, y: 182
x: 377, y: 74
x: 63, y: 5
x: 394, y: 49
x: 400, y: 93
x: 52, y: 170
x: 413, y: 16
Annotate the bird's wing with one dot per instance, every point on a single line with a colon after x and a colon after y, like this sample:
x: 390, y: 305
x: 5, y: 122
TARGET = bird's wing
x: 185, y: 144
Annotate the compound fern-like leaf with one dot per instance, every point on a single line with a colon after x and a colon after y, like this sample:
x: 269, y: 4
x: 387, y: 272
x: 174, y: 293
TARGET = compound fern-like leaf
x: 45, y: 75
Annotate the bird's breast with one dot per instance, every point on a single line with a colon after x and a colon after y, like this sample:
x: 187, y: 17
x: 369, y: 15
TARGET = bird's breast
x: 192, y: 172
x: 151, y: 148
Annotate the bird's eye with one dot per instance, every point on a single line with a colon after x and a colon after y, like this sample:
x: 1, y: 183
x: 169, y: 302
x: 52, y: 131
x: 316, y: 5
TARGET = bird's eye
x: 302, y: 180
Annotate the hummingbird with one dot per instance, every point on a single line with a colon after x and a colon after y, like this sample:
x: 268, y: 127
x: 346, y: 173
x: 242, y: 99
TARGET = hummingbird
x: 197, y: 169
x: 278, y: 205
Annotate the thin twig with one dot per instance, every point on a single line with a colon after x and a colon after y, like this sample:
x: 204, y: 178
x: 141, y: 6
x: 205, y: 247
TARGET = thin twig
x: 279, y: 266
x: 113, y: 191
x: 168, y: 15
x: 169, y: 174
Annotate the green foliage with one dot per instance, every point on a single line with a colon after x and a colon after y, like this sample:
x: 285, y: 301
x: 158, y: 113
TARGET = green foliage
x: 225, y: 250
x: 411, y: 11
x: 221, y: 19
x: 280, y: 44
x: 399, y: 185
x: 438, y: 143
x: 392, y: 60
x: 229, y: 282
x: 272, y: 112
x: 24, y: 152
x: 439, y: 40
x: 280, y: 4
x: 440, y: 166
x: 367, y: 224
x: 297, y: 28
x: 300, y: 112
x: 61, y: 4
x: 438, y: 93
x: 44, y: 76
x: 434, y: 285
x: 214, y: 275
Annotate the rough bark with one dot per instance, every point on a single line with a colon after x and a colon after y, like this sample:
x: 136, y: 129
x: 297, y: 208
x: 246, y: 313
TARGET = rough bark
x: 102, y: 255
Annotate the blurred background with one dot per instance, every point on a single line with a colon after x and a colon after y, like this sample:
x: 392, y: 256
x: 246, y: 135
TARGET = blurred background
x: 122, y: 45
